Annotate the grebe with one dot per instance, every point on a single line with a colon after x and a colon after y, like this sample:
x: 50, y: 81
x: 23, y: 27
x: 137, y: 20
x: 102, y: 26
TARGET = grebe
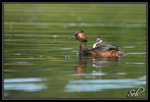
x: 108, y: 50
x: 99, y: 41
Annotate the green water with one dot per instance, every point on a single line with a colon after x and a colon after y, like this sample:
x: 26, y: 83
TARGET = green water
x: 39, y: 60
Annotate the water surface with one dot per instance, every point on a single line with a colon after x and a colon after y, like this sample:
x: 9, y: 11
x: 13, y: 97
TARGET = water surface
x: 41, y: 62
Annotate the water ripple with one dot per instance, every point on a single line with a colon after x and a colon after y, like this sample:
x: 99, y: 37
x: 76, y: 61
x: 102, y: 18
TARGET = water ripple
x: 136, y: 53
x: 129, y: 47
x: 133, y: 63
x: 25, y: 84
x: 22, y: 80
x: 99, y: 85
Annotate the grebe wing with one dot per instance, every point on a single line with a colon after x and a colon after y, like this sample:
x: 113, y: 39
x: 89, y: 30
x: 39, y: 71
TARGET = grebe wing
x: 105, y: 47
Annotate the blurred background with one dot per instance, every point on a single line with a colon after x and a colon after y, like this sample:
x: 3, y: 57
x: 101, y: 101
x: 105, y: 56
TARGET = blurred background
x: 40, y: 60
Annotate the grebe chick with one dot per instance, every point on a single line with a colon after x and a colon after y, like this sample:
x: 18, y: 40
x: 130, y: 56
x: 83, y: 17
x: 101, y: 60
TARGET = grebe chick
x: 99, y: 41
x: 108, y: 50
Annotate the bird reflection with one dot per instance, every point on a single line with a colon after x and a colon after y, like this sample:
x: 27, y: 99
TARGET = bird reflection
x: 98, y: 63
x: 86, y: 79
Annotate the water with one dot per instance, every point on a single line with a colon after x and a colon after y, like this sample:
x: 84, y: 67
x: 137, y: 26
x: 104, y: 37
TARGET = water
x: 40, y: 61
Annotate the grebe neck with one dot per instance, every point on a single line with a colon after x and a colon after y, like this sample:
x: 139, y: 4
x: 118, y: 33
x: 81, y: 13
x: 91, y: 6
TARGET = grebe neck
x: 83, y: 46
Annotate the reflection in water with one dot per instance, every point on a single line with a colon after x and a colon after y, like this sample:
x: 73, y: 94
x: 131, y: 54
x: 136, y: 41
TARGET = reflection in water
x: 93, y: 81
x: 98, y: 62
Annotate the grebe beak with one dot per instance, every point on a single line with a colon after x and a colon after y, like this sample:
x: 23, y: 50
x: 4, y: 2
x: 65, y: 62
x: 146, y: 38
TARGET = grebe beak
x: 73, y: 37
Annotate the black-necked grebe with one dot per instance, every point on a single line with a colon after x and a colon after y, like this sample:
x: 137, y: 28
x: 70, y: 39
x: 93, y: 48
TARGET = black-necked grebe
x: 109, y: 50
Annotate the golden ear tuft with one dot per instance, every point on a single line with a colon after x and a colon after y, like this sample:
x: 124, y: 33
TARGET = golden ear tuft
x: 82, y: 36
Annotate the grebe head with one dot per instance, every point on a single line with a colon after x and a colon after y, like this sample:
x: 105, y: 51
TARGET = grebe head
x: 80, y: 35
x: 99, y: 39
